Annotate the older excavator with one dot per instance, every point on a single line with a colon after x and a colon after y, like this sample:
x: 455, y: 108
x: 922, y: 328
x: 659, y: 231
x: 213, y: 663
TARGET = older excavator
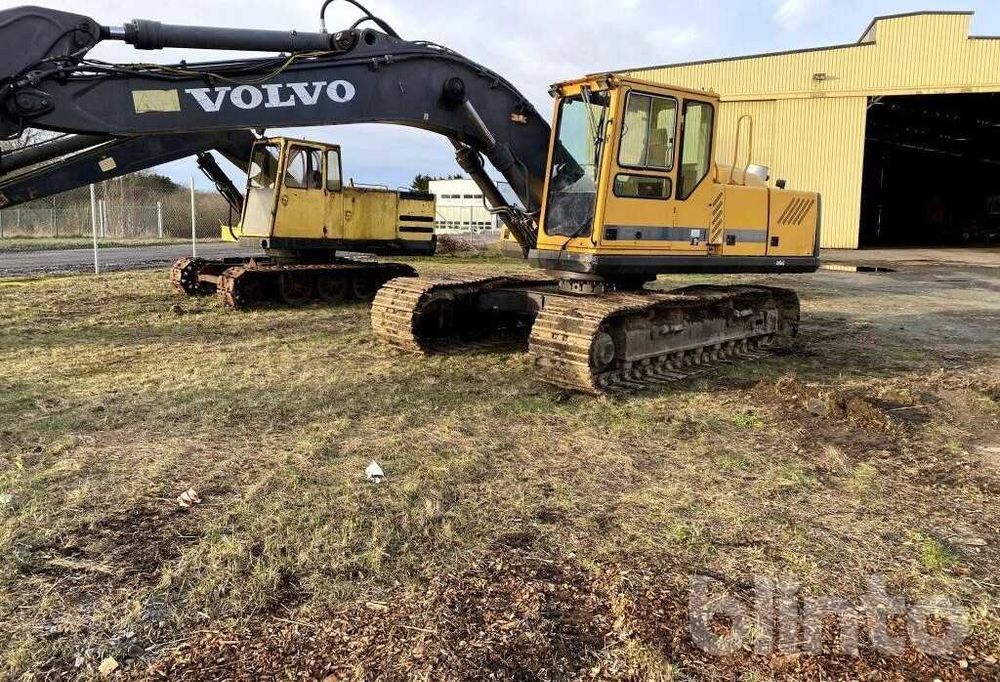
x: 624, y: 186
x: 296, y: 209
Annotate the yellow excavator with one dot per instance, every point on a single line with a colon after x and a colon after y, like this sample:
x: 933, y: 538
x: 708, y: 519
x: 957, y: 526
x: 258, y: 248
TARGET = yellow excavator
x: 298, y: 210
x: 622, y: 187
x: 632, y: 190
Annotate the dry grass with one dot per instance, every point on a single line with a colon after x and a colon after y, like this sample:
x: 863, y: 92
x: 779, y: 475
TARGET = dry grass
x: 871, y: 449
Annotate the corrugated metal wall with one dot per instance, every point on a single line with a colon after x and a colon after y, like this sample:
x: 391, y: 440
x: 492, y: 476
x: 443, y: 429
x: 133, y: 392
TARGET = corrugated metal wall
x: 811, y: 144
x: 811, y: 130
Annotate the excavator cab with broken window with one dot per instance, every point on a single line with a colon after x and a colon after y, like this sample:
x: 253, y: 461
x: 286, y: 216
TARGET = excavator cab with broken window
x: 299, y: 211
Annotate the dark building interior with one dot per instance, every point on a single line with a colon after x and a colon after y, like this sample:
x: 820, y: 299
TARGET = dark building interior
x: 932, y: 171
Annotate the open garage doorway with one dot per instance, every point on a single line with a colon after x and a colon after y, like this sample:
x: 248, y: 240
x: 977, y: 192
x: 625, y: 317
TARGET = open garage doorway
x: 932, y: 171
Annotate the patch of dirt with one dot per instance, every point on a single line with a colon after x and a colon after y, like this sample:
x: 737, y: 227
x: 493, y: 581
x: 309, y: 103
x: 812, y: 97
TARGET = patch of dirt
x: 450, y: 245
x: 659, y: 619
x: 896, y: 407
x: 130, y: 545
x: 887, y: 419
x: 511, y: 616
x: 549, y: 515
x: 514, y: 615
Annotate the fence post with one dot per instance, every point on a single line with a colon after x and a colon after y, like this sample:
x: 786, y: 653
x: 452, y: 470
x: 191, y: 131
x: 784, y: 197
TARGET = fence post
x: 159, y: 220
x: 19, y: 220
x: 93, y: 227
x: 1, y: 224
x: 52, y: 218
x: 194, y: 225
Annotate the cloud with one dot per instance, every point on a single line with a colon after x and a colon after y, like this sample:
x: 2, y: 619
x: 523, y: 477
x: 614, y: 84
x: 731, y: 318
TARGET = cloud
x: 793, y: 14
x: 675, y: 39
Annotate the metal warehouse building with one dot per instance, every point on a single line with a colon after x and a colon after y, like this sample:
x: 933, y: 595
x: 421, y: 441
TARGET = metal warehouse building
x: 899, y: 131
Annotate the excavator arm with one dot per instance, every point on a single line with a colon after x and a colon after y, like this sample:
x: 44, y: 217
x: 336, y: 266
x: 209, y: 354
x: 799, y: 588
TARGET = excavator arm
x: 73, y: 161
x: 354, y: 76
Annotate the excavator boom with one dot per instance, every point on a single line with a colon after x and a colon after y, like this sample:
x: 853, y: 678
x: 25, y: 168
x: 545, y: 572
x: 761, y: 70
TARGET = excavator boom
x: 355, y: 76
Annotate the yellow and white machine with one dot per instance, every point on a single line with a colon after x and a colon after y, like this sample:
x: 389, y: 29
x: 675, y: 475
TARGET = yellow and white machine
x: 300, y: 212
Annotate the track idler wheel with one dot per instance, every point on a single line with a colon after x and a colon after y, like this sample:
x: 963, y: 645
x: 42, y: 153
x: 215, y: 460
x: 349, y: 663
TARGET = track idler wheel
x: 184, y: 276
x: 295, y: 288
x: 241, y: 288
x: 602, y: 351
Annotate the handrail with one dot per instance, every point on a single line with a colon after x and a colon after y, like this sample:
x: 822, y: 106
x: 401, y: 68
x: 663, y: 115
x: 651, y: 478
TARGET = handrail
x: 736, y: 148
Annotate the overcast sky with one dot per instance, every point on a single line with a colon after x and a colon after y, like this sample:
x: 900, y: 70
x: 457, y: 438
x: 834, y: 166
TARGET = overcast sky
x: 531, y: 42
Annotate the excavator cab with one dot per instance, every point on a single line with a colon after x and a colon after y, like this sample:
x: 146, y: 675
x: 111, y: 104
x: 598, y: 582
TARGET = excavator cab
x: 296, y: 200
x: 633, y: 190
x: 298, y: 210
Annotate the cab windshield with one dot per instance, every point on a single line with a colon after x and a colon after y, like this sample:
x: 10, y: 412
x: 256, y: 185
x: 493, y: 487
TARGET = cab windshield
x: 572, y: 199
x: 263, y: 171
x: 262, y: 178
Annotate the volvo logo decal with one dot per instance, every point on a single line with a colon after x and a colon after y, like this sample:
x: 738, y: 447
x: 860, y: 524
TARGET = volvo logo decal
x: 272, y: 95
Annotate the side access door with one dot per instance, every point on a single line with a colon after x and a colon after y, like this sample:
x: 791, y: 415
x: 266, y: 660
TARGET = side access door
x: 333, y: 211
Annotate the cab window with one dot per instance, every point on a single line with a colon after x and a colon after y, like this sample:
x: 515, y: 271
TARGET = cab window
x: 304, y: 169
x: 648, y: 132
x: 642, y: 186
x: 264, y: 166
x: 333, y: 179
x: 696, y: 147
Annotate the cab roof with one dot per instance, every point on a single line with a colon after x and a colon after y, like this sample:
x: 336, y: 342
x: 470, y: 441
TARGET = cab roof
x: 617, y: 80
x: 280, y: 139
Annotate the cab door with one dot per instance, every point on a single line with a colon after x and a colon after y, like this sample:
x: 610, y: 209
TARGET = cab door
x: 333, y: 211
x: 260, y: 206
x: 643, y: 173
x: 658, y: 200
x: 301, y: 203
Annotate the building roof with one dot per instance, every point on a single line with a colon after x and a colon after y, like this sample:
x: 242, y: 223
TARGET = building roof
x: 863, y: 41
x: 899, y: 54
x: 905, y: 15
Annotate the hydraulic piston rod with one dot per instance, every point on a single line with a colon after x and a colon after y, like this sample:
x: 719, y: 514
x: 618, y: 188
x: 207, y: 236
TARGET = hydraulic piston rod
x: 152, y: 35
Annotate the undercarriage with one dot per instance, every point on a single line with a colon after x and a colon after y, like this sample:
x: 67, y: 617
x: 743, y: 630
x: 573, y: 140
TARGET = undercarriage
x: 244, y: 283
x: 612, y: 343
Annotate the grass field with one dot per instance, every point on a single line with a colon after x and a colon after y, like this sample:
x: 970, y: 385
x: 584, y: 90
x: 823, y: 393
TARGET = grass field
x: 520, y: 531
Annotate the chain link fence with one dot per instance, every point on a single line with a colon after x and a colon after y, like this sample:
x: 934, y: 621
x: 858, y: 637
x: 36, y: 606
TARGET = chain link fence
x: 135, y: 207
